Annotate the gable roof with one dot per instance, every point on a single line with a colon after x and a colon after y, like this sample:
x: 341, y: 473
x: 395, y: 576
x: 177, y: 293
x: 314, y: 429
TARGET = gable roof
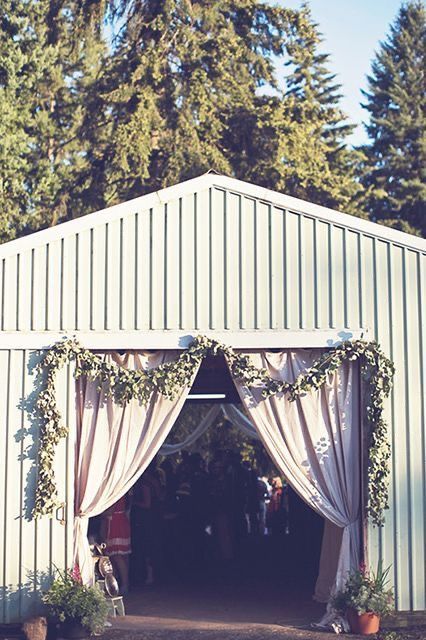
x: 206, y: 181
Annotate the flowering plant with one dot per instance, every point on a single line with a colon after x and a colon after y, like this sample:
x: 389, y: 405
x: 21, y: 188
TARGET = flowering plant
x: 70, y: 601
x: 366, y: 592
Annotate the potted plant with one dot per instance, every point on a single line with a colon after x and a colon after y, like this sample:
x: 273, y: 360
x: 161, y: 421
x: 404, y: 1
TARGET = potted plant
x: 79, y: 610
x: 364, y: 599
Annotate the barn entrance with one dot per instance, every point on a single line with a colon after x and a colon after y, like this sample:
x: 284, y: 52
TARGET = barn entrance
x: 227, y: 513
x: 197, y: 557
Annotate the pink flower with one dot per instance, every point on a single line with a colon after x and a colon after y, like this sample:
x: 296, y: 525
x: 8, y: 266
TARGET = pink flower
x: 75, y: 574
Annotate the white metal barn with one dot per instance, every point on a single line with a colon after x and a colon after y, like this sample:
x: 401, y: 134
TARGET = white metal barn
x: 224, y: 258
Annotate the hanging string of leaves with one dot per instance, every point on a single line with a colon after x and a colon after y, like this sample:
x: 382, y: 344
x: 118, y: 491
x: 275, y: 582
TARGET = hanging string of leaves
x: 168, y: 379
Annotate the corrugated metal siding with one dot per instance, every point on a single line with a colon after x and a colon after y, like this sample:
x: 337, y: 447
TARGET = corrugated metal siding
x: 29, y: 549
x: 394, y: 305
x: 211, y: 260
x: 218, y: 260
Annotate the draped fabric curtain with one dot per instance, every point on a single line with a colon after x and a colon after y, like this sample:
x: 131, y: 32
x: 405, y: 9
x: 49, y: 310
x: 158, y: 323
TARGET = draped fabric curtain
x: 229, y: 411
x: 115, y: 444
x: 206, y: 422
x: 315, y: 442
x: 238, y: 419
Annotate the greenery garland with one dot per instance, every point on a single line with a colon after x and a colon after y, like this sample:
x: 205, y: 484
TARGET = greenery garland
x: 124, y: 384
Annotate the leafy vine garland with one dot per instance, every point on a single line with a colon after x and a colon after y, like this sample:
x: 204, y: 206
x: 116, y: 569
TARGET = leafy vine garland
x: 124, y: 384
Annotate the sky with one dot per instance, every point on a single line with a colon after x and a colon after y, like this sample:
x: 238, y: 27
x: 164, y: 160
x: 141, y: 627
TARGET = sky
x: 352, y: 31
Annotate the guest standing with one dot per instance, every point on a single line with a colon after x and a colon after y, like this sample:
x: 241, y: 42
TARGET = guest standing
x: 115, y: 530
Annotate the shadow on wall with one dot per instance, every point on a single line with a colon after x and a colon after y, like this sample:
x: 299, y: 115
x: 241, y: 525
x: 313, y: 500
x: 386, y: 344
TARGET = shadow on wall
x: 24, y: 599
x: 343, y: 336
x: 28, y: 435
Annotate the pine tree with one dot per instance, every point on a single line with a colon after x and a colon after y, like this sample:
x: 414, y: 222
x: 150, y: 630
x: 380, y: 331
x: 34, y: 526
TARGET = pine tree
x: 172, y: 88
x: 298, y: 142
x: 48, y: 54
x: 179, y: 74
x: 18, y: 55
x: 395, y: 170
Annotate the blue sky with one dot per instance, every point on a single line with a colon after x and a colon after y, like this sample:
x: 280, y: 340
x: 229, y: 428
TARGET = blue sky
x: 352, y: 30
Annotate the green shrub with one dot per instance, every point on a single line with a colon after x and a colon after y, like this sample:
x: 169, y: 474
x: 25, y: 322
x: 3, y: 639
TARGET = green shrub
x: 69, y: 600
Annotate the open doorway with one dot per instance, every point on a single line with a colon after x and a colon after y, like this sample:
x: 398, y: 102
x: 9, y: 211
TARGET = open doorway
x: 213, y: 523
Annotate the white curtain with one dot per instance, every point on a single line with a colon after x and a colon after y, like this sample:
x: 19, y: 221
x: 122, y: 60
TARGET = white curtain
x: 239, y: 420
x: 230, y: 412
x: 315, y: 442
x: 329, y: 560
x: 206, y: 422
x: 115, y: 444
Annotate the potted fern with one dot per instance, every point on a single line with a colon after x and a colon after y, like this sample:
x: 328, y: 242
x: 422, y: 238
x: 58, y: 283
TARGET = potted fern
x: 364, y: 599
x: 78, y: 610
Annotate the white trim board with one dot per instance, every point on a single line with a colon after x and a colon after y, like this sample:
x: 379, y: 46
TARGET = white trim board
x: 181, y: 339
x: 208, y: 181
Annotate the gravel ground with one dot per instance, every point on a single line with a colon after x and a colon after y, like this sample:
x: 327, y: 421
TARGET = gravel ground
x: 231, y: 612
x: 257, y: 632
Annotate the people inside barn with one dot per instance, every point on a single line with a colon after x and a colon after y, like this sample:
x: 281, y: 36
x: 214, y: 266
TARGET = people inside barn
x: 148, y: 499
x: 189, y: 517
x: 277, y: 509
x: 115, y: 531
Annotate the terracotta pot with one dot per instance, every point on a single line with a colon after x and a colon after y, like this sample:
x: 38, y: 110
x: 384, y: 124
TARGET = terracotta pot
x: 364, y: 624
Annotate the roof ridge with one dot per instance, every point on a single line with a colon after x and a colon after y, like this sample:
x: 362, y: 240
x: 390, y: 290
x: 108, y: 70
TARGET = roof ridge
x: 208, y: 180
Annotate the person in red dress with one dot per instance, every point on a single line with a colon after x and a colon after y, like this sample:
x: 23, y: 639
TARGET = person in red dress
x: 115, y: 530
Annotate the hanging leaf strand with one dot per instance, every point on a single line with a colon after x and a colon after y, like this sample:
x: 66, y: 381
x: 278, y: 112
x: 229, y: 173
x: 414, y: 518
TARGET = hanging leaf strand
x: 123, y: 385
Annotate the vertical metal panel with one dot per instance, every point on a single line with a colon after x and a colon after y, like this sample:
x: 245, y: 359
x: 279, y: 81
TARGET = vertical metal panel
x: 352, y: 281
x: 172, y: 267
x: 277, y: 269
x: 323, y: 275
x: 98, y: 278
x: 39, y: 289
x: 247, y: 266
x: 202, y: 272
x: 232, y: 262
x: 157, y: 258
x: 292, y: 267
x: 4, y: 472
x: 128, y: 273
x: 13, y: 497
x: 307, y: 275
x: 10, y: 282
x: 217, y: 277
x: 69, y: 271
x: 415, y: 430
x: 29, y: 548
x: 187, y: 261
x: 143, y: 269
x: 53, y: 285
x: 262, y: 249
x: 113, y: 270
x: 83, y: 280
x: 400, y: 558
x: 337, y: 273
x: 383, y: 537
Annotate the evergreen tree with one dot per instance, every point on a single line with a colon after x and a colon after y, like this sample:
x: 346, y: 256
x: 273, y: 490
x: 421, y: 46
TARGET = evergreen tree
x: 396, y: 161
x: 48, y: 54
x: 297, y: 143
x: 176, y: 88
x: 179, y: 74
x: 19, y: 55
